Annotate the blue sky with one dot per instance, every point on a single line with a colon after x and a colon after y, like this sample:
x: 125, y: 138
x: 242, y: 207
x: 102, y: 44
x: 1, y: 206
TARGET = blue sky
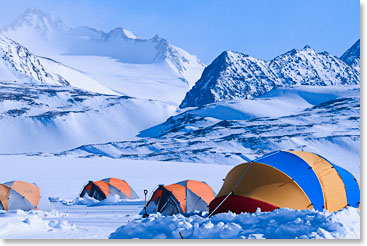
x: 261, y: 28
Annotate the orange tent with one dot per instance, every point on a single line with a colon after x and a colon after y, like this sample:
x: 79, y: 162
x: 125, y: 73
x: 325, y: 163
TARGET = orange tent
x: 100, y: 190
x: 22, y: 195
x: 292, y: 179
x: 183, y: 197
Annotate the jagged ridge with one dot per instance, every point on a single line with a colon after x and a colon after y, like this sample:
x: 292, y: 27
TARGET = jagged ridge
x: 236, y: 75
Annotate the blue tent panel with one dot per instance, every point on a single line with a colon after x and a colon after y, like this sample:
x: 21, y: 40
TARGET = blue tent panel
x: 299, y: 170
x: 351, y: 186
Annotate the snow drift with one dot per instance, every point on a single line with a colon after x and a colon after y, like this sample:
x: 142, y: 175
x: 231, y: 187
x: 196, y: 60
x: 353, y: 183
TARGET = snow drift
x: 278, y: 224
x: 20, y: 224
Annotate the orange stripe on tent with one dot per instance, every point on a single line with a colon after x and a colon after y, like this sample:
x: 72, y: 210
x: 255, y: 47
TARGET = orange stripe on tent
x: 105, y: 187
x: 333, y: 188
x: 201, y: 189
x: 4, y: 195
x: 29, y: 191
x: 121, y: 185
x: 179, y: 192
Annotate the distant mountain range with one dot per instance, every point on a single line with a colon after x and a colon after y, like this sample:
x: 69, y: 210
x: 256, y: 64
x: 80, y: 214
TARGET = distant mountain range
x: 235, y: 75
x: 86, y: 93
x: 127, y: 59
x: 52, y: 35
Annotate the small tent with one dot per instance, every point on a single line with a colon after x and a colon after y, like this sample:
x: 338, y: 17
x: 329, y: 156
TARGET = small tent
x: 183, y: 197
x: 22, y: 195
x: 100, y: 190
x: 292, y: 179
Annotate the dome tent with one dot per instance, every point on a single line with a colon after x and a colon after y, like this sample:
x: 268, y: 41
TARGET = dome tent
x: 292, y: 179
x: 100, y: 190
x: 183, y: 197
x: 22, y: 195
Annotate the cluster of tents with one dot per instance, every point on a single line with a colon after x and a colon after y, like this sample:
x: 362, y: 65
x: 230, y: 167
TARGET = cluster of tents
x: 281, y: 179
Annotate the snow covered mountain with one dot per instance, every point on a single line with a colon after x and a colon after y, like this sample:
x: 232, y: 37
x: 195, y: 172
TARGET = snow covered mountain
x: 235, y: 75
x: 17, y: 63
x: 126, y: 58
x: 46, y: 106
x: 352, y: 56
x: 324, y: 120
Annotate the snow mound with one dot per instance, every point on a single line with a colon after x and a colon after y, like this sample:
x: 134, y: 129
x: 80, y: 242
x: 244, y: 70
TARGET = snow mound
x: 279, y: 224
x: 21, y: 224
x: 86, y: 200
x: 92, y: 202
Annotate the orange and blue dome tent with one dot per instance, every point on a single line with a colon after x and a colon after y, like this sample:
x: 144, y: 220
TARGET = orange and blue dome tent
x: 22, y: 195
x: 287, y: 179
x: 183, y: 197
x: 100, y: 190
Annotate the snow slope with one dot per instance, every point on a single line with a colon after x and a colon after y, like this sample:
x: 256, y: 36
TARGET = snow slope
x: 145, y: 81
x: 324, y: 120
x: 17, y: 63
x: 130, y: 56
x: 38, y: 117
x: 235, y: 75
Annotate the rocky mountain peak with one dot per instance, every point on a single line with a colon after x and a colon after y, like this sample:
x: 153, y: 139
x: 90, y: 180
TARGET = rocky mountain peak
x: 235, y: 75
